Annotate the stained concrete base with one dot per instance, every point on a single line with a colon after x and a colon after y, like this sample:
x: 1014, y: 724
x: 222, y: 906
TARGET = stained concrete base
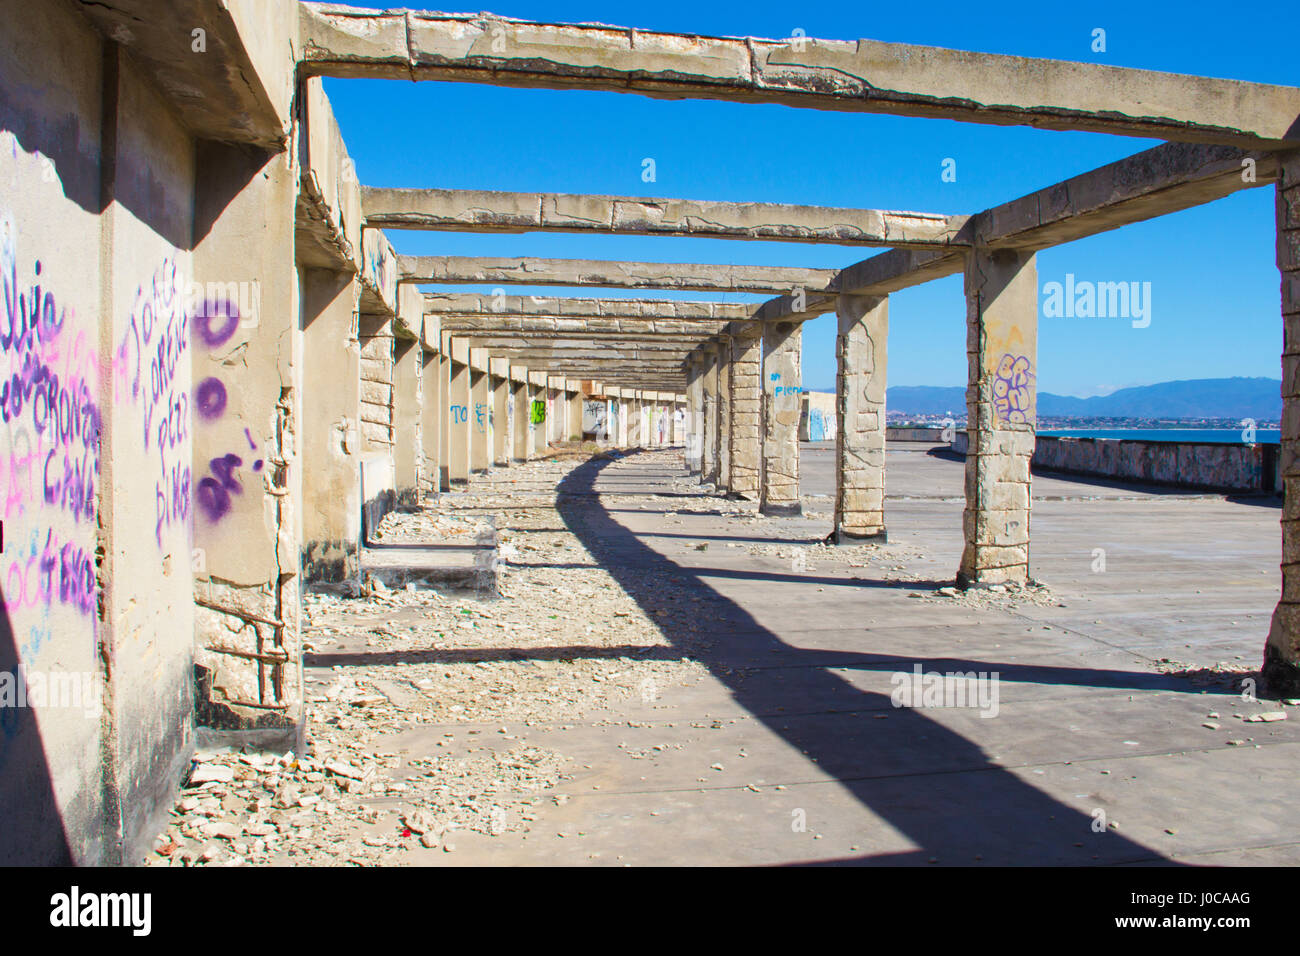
x: 444, y: 566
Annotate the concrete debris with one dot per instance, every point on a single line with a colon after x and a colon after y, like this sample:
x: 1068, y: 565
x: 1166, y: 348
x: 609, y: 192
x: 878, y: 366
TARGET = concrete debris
x: 412, y: 696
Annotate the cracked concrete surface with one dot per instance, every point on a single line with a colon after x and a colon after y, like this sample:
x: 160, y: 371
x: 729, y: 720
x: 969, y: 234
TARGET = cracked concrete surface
x: 666, y: 680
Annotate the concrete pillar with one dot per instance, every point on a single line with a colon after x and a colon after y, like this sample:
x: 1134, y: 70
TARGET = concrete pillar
x: 1002, y: 353
x: 246, y: 521
x: 1281, y: 673
x: 860, y: 351
x: 376, y: 338
x: 536, y: 413
x: 709, y: 415
x: 635, y: 437
x: 745, y: 409
x: 575, y: 400
x: 694, y: 436
x: 444, y: 410
x: 622, y: 408
x: 500, y: 388
x: 408, y: 401
x: 458, y: 421
x: 723, y: 481
x: 779, y: 491
x: 522, y: 433
x: 431, y: 419
x: 480, y: 435
x: 330, y: 447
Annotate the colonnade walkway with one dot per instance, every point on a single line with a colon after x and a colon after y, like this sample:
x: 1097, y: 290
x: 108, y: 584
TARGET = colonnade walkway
x: 717, y: 687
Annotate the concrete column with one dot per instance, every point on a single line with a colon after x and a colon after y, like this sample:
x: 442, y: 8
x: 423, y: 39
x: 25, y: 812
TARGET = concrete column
x: 480, y: 436
x: 860, y: 351
x: 1002, y: 353
x: 444, y: 410
x: 724, y: 414
x: 575, y: 399
x: 431, y: 419
x: 522, y: 433
x: 622, y: 407
x: 500, y: 386
x: 745, y: 409
x: 1281, y: 673
x: 536, y: 413
x: 376, y: 337
x: 694, y: 414
x: 635, y: 415
x: 408, y: 399
x: 779, y: 492
x: 458, y: 421
x: 330, y: 447
x: 709, y: 415
x: 246, y: 521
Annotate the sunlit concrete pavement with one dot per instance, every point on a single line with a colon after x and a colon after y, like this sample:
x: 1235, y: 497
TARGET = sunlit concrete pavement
x: 791, y: 751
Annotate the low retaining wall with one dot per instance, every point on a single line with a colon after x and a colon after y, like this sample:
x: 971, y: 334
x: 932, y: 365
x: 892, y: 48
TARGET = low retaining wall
x: 1210, y: 466
x: 924, y: 433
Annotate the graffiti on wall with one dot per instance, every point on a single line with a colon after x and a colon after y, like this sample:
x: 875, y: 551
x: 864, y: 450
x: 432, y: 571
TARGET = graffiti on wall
x: 595, y: 418
x: 51, y: 376
x: 537, y: 414
x: 151, y: 366
x: 817, y: 430
x: 1013, y: 389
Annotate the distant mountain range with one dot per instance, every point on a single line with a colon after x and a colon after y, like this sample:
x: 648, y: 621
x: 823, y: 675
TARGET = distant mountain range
x: 1257, y: 398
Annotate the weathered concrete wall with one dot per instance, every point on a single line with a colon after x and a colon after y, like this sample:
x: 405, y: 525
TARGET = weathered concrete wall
x: 921, y: 433
x: 1205, y: 465
x: 1282, y: 652
x: 55, y: 797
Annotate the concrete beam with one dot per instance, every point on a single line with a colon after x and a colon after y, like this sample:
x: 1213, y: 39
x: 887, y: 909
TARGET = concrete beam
x: 237, y: 89
x: 1143, y: 186
x: 549, y: 325
x: 1151, y: 183
x: 479, y: 210
x: 575, y: 273
x: 470, y: 303
x: 845, y: 75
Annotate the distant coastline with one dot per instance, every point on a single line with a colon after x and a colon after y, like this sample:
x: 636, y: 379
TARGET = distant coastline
x: 1187, y: 434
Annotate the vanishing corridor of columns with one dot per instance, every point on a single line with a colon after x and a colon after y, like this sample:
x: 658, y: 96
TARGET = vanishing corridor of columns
x: 239, y: 448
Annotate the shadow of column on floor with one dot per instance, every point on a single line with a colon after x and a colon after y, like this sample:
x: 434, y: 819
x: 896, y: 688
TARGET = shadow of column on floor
x: 941, y: 791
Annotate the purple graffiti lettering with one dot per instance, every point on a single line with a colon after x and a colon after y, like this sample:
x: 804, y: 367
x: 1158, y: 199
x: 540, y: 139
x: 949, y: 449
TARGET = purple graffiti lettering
x: 219, y: 333
x: 213, y: 493
x: 1011, y: 388
x: 210, y: 398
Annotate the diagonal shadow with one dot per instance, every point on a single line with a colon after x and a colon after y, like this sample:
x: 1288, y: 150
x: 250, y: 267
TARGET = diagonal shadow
x: 931, y: 784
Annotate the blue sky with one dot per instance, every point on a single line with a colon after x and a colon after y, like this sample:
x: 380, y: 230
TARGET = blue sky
x: 1214, y: 282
